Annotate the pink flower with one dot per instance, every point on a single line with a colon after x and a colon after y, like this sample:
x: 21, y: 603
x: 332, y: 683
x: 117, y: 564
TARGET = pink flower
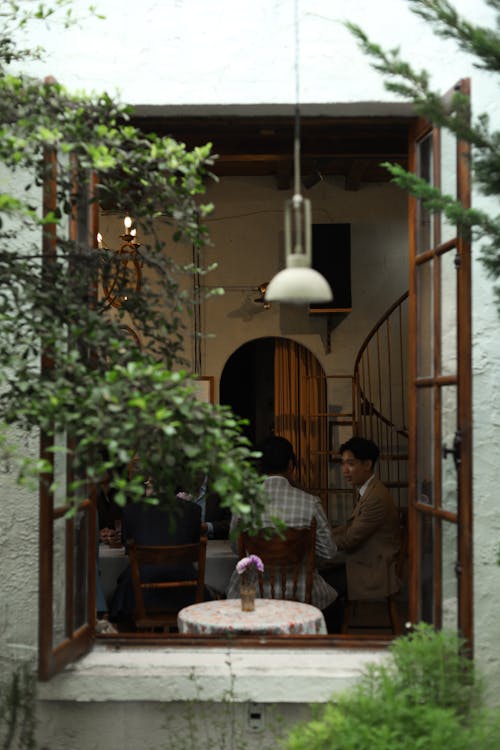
x: 247, y: 563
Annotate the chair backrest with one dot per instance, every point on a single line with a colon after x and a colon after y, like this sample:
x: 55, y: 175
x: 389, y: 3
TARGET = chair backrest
x: 174, y: 555
x: 286, y: 558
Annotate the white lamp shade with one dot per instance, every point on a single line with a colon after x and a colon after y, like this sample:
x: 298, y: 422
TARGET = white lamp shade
x: 298, y: 286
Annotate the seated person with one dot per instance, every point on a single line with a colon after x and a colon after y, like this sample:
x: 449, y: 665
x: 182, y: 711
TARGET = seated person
x: 150, y: 525
x: 371, y: 536
x: 296, y: 508
x: 214, y: 517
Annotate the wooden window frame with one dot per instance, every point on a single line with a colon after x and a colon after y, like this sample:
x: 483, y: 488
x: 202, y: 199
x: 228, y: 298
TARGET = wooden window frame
x: 462, y: 380
x: 52, y: 657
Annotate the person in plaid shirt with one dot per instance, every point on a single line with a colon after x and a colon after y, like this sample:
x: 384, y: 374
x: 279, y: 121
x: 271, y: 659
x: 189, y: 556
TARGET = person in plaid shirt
x: 295, y: 508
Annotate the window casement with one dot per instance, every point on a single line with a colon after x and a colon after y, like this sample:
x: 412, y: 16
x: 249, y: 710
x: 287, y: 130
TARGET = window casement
x: 440, y: 492
x: 440, y: 418
x: 67, y: 572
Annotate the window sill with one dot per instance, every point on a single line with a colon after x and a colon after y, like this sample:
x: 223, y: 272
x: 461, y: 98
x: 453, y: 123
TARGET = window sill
x: 197, y: 673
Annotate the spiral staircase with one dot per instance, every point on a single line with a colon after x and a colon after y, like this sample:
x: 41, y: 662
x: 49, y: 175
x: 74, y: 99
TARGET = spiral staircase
x: 380, y: 391
x: 372, y: 402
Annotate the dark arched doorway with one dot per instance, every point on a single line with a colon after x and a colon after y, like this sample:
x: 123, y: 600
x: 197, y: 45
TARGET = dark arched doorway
x: 247, y: 386
x: 279, y: 386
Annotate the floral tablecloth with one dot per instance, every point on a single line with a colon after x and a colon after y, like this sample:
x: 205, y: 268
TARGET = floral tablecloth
x: 270, y: 617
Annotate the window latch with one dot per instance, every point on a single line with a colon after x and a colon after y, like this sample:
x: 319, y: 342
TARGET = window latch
x: 455, y: 450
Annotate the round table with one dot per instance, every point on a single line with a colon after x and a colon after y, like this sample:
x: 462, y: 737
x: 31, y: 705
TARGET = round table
x: 270, y: 617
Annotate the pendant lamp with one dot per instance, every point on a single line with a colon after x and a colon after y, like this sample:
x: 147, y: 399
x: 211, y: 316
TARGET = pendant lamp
x: 298, y: 283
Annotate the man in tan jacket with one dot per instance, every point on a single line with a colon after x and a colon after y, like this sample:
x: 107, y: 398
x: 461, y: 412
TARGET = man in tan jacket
x: 371, y: 536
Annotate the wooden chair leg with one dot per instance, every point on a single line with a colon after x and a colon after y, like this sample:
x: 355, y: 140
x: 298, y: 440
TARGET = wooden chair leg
x: 347, y: 617
x: 394, y: 616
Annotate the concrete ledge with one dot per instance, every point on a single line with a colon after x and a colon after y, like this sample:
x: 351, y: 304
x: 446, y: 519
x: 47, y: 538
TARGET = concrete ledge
x: 211, y: 674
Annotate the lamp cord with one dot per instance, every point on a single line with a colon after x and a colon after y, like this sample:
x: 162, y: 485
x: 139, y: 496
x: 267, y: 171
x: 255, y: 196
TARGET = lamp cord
x: 297, y: 106
x: 297, y: 197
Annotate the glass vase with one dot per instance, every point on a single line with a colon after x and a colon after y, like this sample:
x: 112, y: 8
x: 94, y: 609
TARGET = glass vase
x: 247, y: 593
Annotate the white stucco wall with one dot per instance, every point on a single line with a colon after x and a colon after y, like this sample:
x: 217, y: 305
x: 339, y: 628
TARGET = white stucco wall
x: 175, y: 698
x: 18, y: 514
x: 220, y: 52
x: 188, y: 52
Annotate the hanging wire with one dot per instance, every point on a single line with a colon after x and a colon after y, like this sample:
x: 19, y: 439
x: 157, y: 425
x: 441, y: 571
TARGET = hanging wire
x: 296, y: 154
x: 297, y: 201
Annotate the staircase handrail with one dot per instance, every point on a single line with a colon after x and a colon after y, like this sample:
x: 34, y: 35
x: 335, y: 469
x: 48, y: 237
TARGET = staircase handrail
x: 378, y: 325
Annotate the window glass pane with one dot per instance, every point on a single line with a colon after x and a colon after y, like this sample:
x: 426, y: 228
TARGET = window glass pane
x: 81, y: 530
x: 425, y: 445
x: 448, y: 313
x: 424, y: 218
x: 425, y: 319
x: 448, y: 178
x: 450, y: 581
x: 449, y: 483
x: 426, y: 568
x: 59, y: 581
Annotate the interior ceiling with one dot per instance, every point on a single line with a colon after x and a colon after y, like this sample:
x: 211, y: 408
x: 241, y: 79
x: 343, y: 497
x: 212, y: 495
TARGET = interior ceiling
x: 351, y: 148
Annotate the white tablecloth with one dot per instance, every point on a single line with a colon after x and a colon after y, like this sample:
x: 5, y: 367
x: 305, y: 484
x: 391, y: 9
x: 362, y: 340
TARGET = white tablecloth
x: 220, y: 563
x: 111, y: 563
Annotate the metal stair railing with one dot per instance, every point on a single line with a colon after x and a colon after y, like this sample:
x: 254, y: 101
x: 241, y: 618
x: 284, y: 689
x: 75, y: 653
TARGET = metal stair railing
x: 380, y: 391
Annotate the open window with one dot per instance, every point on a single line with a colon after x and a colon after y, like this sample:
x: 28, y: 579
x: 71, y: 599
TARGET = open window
x: 440, y: 390
x: 440, y: 510
x: 67, y: 542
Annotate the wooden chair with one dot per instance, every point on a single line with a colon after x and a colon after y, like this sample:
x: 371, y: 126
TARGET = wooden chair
x: 390, y: 600
x: 179, y: 554
x: 284, y: 558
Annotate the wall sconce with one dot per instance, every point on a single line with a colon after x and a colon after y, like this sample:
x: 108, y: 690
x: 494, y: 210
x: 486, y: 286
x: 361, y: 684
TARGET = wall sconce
x: 128, y: 266
x: 298, y: 283
x: 313, y: 179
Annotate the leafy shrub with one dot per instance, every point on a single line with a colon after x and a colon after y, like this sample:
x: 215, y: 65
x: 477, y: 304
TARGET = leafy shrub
x: 427, y: 697
x: 430, y: 666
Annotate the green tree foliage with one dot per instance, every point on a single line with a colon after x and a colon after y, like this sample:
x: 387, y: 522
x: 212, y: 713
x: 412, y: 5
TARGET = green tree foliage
x: 483, y: 44
x: 427, y: 696
x: 108, y: 397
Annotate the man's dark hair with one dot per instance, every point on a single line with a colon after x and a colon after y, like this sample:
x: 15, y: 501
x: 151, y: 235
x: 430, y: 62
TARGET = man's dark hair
x: 277, y: 452
x: 362, y: 448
